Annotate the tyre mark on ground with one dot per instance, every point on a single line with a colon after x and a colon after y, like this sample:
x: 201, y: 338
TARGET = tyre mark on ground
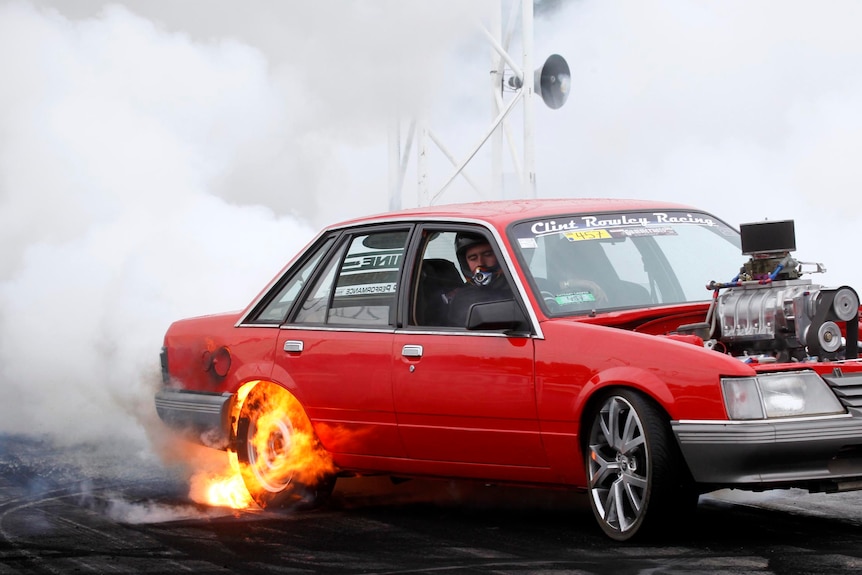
x: 99, y: 564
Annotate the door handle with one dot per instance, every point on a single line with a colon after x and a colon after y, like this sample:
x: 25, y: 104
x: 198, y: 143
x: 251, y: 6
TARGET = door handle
x: 293, y: 346
x: 411, y: 351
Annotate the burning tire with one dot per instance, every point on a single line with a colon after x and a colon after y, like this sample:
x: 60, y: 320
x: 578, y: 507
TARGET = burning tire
x: 636, y: 480
x: 281, y: 461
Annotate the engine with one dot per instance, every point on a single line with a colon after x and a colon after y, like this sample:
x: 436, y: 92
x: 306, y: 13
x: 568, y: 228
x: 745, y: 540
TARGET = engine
x: 768, y: 313
x: 788, y: 319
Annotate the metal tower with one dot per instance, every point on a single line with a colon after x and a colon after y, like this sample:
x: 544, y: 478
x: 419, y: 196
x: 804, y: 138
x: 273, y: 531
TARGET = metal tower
x: 551, y: 81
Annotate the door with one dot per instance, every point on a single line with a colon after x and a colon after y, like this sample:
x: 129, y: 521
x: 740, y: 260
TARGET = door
x: 467, y: 398
x: 463, y: 396
x: 335, y: 352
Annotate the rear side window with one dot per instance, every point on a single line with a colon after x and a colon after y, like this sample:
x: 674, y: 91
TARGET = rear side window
x: 277, y: 308
x: 359, y: 284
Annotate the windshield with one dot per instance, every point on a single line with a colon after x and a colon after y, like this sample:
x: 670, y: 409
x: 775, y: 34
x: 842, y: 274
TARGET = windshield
x: 585, y: 262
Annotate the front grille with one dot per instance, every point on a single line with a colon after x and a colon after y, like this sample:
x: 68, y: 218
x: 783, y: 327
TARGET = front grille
x: 846, y: 387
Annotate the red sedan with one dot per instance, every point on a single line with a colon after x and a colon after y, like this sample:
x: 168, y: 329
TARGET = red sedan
x: 642, y: 352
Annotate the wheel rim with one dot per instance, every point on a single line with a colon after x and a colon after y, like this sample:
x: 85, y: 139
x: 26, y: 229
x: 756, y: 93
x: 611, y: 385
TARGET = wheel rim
x: 269, y: 444
x: 618, y: 465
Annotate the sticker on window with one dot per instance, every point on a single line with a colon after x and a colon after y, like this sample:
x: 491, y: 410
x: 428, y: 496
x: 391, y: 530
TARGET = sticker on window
x: 580, y: 236
x: 365, y: 289
x: 576, y: 297
x: 616, y: 225
x: 640, y: 232
x: 382, y: 261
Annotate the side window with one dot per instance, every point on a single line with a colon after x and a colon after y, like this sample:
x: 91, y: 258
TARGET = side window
x: 359, y: 284
x: 437, y: 277
x: 456, y: 269
x: 277, y: 308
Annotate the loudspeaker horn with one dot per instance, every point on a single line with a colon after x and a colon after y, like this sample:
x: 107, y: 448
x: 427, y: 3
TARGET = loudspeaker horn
x: 551, y: 81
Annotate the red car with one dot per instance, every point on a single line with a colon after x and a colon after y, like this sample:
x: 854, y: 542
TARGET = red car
x: 642, y: 352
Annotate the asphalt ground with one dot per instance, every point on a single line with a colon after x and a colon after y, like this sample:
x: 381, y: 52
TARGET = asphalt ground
x: 85, y: 510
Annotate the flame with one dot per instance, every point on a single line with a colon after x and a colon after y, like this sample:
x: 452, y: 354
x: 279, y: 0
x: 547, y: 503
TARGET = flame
x: 228, y: 491
x: 222, y: 487
x: 287, y: 453
x: 284, y: 441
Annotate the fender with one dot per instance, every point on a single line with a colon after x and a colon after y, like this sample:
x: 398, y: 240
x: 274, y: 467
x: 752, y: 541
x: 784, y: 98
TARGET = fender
x: 637, y: 378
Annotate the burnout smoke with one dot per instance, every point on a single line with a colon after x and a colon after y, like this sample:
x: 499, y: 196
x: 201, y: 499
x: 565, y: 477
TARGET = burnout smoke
x: 110, y: 229
x: 149, y: 173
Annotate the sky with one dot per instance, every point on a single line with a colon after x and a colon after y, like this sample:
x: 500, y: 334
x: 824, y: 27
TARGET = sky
x: 161, y: 159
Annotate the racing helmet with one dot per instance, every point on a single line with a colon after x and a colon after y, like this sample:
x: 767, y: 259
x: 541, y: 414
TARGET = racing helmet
x: 463, y: 242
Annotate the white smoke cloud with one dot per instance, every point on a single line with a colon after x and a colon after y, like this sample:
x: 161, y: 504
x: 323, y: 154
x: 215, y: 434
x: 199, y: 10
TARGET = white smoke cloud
x: 114, y: 132
x: 156, y: 164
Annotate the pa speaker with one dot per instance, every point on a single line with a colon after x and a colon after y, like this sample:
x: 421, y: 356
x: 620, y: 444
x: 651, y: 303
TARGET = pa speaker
x: 552, y: 81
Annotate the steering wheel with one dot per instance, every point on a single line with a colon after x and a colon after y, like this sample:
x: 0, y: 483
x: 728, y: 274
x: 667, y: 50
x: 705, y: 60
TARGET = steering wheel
x: 550, y: 300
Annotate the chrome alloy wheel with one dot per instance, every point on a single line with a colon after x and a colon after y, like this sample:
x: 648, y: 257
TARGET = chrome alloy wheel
x: 281, y: 462
x: 268, y: 463
x: 619, y: 473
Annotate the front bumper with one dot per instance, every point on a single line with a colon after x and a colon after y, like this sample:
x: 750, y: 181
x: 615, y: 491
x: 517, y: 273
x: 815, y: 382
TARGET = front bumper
x: 816, y: 453
x: 202, y: 417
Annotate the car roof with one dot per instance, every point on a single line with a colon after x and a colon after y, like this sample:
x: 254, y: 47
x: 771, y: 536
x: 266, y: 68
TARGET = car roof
x: 503, y: 212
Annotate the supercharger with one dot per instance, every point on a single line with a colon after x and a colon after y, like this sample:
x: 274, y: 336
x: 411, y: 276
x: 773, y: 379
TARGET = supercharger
x: 788, y: 320
x: 769, y: 313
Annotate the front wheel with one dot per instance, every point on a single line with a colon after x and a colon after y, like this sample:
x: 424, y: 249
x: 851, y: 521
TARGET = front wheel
x: 636, y: 478
x: 280, y: 459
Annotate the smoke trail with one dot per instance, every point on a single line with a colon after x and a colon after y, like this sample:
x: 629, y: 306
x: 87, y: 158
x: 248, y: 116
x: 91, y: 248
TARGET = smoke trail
x: 114, y: 132
x: 150, y: 173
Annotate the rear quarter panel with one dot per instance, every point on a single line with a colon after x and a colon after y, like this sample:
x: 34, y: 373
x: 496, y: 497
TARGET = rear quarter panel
x: 196, y: 353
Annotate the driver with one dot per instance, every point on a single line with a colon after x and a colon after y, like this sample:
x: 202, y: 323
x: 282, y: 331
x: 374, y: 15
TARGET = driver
x: 485, y: 279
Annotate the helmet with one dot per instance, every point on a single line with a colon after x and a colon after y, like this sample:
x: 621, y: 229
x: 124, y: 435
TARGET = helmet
x: 481, y: 276
x: 464, y: 241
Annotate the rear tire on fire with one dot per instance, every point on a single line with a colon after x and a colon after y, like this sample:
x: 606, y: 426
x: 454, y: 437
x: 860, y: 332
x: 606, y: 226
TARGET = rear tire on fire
x: 266, y: 450
x: 637, y: 481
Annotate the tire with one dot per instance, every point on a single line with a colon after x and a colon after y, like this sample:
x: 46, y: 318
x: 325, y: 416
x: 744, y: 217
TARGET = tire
x: 637, y: 482
x: 282, y: 463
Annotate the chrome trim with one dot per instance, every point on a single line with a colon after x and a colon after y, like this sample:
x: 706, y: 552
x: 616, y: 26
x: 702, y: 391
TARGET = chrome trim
x: 413, y: 330
x: 815, y: 452
x: 767, y: 433
x: 412, y: 350
x: 761, y: 421
x: 203, y: 417
x: 409, y: 219
x: 318, y: 327
x: 293, y: 346
x: 460, y: 332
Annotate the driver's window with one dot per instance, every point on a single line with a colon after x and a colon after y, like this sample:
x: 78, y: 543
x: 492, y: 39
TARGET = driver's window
x: 437, y: 279
x: 455, y: 270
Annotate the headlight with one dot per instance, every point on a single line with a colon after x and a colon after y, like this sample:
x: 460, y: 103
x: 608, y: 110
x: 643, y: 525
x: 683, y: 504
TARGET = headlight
x: 778, y: 395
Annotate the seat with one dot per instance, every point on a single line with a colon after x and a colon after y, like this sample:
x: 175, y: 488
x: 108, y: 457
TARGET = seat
x: 588, y: 261
x: 437, y: 277
x: 631, y: 294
